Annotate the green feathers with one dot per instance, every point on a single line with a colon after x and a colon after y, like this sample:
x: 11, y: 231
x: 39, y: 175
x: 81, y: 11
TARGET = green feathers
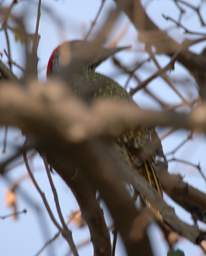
x: 141, y: 147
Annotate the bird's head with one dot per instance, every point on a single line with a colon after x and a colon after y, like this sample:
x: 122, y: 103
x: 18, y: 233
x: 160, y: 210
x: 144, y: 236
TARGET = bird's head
x: 81, y: 52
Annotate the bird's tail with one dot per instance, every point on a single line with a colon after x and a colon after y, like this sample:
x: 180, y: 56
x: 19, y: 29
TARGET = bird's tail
x: 151, y: 177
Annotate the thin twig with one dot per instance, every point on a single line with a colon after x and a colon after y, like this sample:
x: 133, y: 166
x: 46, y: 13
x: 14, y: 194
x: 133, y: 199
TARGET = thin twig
x: 115, y: 233
x: 5, y: 163
x: 15, y: 63
x: 180, y: 25
x: 181, y: 144
x: 8, y: 47
x: 166, y: 79
x: 48, y: 243
x: 95, y: 19
x: 155, y: 75
x: 5, y: 139
x: 183, y: 161
x: 36, y: 38
x: 24, y: 211
x: 43, y: 197
x: 80, y: 245
x: 65, y: 229
x: 51, y: 215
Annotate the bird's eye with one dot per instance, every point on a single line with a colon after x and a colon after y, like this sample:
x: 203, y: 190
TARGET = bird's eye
x: 91, y: 67
x: 55, y: 65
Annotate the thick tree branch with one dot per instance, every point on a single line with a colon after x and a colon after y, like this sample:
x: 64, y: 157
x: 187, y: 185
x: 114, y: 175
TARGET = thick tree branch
x: 81, y: 122
x: 39, y: 115
x: 152, y: 35
x: 193, y: 200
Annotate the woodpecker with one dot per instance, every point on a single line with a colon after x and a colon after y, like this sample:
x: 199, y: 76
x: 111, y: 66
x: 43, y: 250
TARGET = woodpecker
x: 141, y: 147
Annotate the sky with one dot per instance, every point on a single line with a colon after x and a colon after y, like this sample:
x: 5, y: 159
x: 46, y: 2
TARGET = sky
x: 24, y: 236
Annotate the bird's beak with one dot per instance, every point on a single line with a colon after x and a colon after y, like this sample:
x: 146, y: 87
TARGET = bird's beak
x: 105, y: 53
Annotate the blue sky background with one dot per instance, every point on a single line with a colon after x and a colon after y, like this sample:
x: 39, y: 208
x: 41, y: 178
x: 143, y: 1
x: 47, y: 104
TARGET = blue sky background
x: 24, y: 237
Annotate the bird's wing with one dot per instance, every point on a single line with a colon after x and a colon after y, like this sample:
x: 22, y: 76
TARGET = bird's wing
x: 143, y: 150
x: 141, y: 147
